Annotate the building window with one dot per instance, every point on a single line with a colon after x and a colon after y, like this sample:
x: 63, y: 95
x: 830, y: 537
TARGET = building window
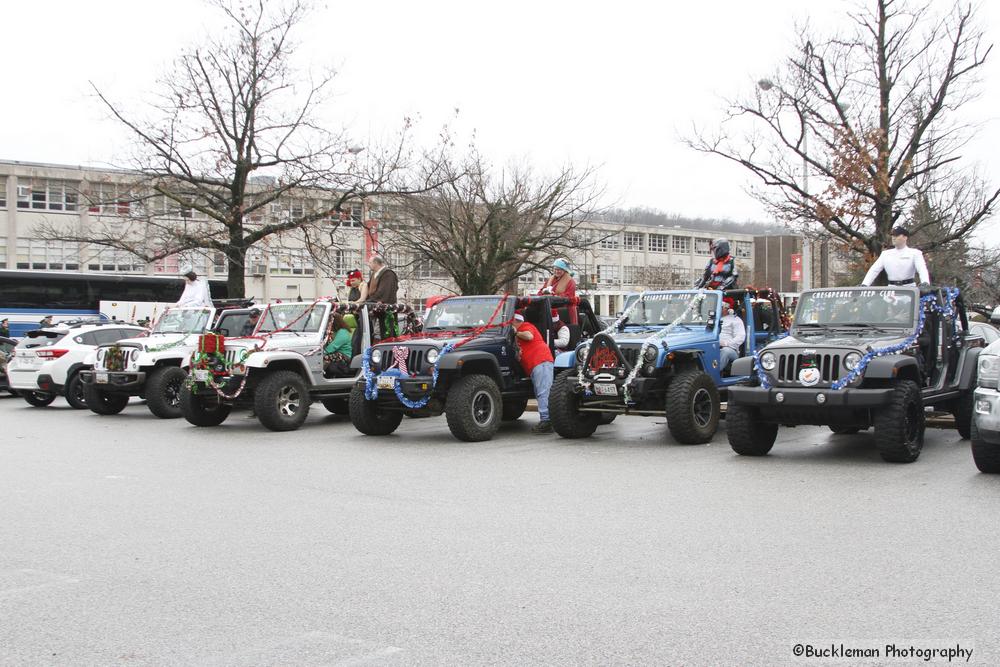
x: 610, y: 242
x: 357, y: 214
x: 41, y: 255
x: 47, y: 195
x: 659, y: 243
x: 3, y: 252
x: 290, y: 263
x: 172, y: 264
x: 3, y: 192
x: 744, y: 249
x: 219, y: 264
x: 607, y: 274
x: 703, y: 246
x: 427, y: 269
x: 114, y: 260
x: 630, y: 276
x: 109, y: 199
x: 633, y: 241
x: 348, y: 260
x: 681, y: 244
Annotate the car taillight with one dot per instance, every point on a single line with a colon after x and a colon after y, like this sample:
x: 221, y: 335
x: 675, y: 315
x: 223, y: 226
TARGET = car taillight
x: 51, y: 354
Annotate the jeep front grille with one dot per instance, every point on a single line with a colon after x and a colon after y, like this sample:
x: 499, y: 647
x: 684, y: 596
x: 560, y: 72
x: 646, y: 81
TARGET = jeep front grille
x: 414, y: 360
x: 790, y: 364
x: 631, y: 355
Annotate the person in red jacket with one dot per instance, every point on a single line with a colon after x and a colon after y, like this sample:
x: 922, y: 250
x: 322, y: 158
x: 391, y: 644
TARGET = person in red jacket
x: 537, y: 361
x: 561, y: 283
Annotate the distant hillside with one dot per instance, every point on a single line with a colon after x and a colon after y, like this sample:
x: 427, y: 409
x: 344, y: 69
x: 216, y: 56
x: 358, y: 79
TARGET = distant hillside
x: 653, y: 218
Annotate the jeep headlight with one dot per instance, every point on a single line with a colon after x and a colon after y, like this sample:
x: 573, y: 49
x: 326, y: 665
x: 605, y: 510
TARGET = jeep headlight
x: 100, y: 353
x: 376, y: 356
x: 851, y: 361
x: 135, y: 355
x: 649, y: 356
x: 989, y: 370
x: 581, y: 354
x: 432, y: 355
x: 768, y: 361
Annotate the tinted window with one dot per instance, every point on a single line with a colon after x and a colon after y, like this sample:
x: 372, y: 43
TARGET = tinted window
x: 233, y: 323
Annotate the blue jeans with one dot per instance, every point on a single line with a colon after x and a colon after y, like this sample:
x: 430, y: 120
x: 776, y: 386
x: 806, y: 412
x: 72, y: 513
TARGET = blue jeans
x: 541, y: 380
x: 727, y: 355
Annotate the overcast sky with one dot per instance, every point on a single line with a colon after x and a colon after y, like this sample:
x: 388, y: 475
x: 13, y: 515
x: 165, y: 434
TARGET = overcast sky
x: 609, y: 84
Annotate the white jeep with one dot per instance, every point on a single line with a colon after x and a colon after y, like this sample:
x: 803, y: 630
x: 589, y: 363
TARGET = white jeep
x: 280, y: 371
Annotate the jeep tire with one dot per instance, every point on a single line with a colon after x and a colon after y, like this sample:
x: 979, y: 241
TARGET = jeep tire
x: 163, y: 391
x: 564, y: 410
x: 281, y: 401
x: 693, y: 408
x: 104, y: 402
x: 74, y: 392
x: 513, y: 408
x: 39, y: 399
x: 203, y: 407
x: 964, y: 411
x: 473, y: 408
x: 986, y: 455
x: 338, y: 406
x: 368, y: 418
x: 748, y: 435
x: 899, y: 426
x: 843, y: 430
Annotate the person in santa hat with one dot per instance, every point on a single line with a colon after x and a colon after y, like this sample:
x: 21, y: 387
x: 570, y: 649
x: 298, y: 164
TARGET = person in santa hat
x: 537, y: 361
x: 732, y: 334
x: 359, y: 291
x: 559, y: 333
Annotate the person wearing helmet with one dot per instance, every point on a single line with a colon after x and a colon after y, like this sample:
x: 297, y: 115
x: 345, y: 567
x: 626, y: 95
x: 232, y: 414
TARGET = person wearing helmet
x: 720, y: 272
x: 196, y: 291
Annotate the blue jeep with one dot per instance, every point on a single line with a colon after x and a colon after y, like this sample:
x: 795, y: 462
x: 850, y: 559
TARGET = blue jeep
x: 660, y: 358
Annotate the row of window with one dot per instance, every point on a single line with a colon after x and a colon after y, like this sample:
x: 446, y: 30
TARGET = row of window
x: 633, y: 241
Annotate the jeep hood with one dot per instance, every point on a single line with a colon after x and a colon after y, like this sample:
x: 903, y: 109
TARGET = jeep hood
x: 679, y: 338
x: 155, y: 341
x: 839, y: 339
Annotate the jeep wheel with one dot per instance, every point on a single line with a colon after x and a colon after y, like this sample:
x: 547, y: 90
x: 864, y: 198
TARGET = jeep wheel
x: 899, y: 426
x: 692, y: 408
x: 338, y: 406
x: 38, y: 399
x: 281, y: 401
x: 203, y: 407
x: 473, y: 408
x: 964, y: 409
x: 564, y: 410
x: 513, y: 408
x: 163, y: 391
x: 748, y: 436
x: 103, y: 402
x: 605, y: 418
x: 843, y: 430
x: 368, y: 418
x: 74, y: 392
x: 985, y: 454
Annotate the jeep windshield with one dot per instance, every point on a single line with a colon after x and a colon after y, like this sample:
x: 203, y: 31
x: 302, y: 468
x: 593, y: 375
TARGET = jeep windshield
x: 291, y: 317
x: 659, y: 309
x: 183, y: 321
x: 463, y: 313
x: 856, y: 309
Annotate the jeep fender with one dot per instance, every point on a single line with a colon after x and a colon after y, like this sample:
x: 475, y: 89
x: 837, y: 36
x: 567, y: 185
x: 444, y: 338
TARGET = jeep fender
x: 742, y: 366
x: 565, y: 360
x: 166, y: 358
x: 262, y: 361
x: 694, y: 354
x: 459, y: 360
x: 969, y: 364
x: 889, y: 366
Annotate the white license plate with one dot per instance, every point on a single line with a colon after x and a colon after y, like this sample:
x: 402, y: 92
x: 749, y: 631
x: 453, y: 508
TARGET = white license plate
x: 201, y: 375
x: 101, y: 378
x: 387, y: 382
x: 605, y: 389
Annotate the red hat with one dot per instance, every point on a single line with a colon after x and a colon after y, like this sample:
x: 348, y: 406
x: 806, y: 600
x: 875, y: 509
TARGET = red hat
x: 519, y: 315
x: 352, y: 275
x: 730, y: 302
x: 555, y: 315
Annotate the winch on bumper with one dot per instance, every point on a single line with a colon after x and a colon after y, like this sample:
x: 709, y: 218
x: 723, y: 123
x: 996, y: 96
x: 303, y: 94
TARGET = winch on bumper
x: 114, y: 380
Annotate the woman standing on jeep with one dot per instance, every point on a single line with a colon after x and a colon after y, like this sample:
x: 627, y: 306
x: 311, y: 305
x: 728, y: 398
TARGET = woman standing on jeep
x: 561, y: 283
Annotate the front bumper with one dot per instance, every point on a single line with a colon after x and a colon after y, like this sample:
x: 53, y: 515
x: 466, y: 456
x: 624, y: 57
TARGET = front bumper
x: 987, y: 414
x: 795, y: 397
x: 116, y: 381
x: 415, y: 388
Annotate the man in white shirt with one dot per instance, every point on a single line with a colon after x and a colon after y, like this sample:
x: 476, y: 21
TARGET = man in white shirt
x: 901, y: 263
x: 196, y: 293
x: 732, y: 334
x: 560, y: 333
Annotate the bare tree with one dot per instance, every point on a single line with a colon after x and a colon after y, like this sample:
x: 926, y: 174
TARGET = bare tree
x: 868, y: 116
x: 486, y: 227
x: 233, y: 152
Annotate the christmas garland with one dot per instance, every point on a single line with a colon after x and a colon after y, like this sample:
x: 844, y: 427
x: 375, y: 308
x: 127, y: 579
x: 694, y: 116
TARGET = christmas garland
x: 927, y: 303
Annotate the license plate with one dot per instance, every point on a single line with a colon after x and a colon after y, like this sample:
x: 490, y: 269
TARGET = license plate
x: 101, y: 378
x: 201, y: 375
x: 387, y: 382
x: 605, y: 389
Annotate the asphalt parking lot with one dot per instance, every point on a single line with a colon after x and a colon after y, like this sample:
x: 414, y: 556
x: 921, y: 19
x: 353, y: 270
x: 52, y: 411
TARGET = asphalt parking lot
x: 136, y: 541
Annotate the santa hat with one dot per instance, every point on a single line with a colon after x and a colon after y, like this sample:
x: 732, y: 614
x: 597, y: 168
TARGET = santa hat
x: 729, y: 302
x: 555, y: 315
x: 353, y: 275
x: 518, y: 316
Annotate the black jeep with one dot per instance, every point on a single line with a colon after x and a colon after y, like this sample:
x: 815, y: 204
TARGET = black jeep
x: 476, y: 385
x: 856, y: 358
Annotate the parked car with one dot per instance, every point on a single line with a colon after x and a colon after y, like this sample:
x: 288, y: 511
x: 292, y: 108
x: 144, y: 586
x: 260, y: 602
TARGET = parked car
x: 985, y: 434
x: 679, y: 376
x: 987, y: 332
x: 150, y: 366
x: 477, y: 385
x: 47, y: 362
x: 857, y: 358
x: 280, y: 372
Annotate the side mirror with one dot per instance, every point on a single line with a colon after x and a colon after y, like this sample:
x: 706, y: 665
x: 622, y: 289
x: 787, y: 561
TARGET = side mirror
x: 995, y: 317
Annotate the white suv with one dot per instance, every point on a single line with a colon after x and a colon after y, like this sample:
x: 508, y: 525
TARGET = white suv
x: 47, y: 362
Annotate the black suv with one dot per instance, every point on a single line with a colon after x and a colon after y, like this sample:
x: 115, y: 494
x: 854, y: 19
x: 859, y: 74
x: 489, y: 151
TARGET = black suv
x: 860, y: 357
x: 476, y: 385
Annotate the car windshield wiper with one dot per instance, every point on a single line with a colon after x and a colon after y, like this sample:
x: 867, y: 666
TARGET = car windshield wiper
x: 810, y: 325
